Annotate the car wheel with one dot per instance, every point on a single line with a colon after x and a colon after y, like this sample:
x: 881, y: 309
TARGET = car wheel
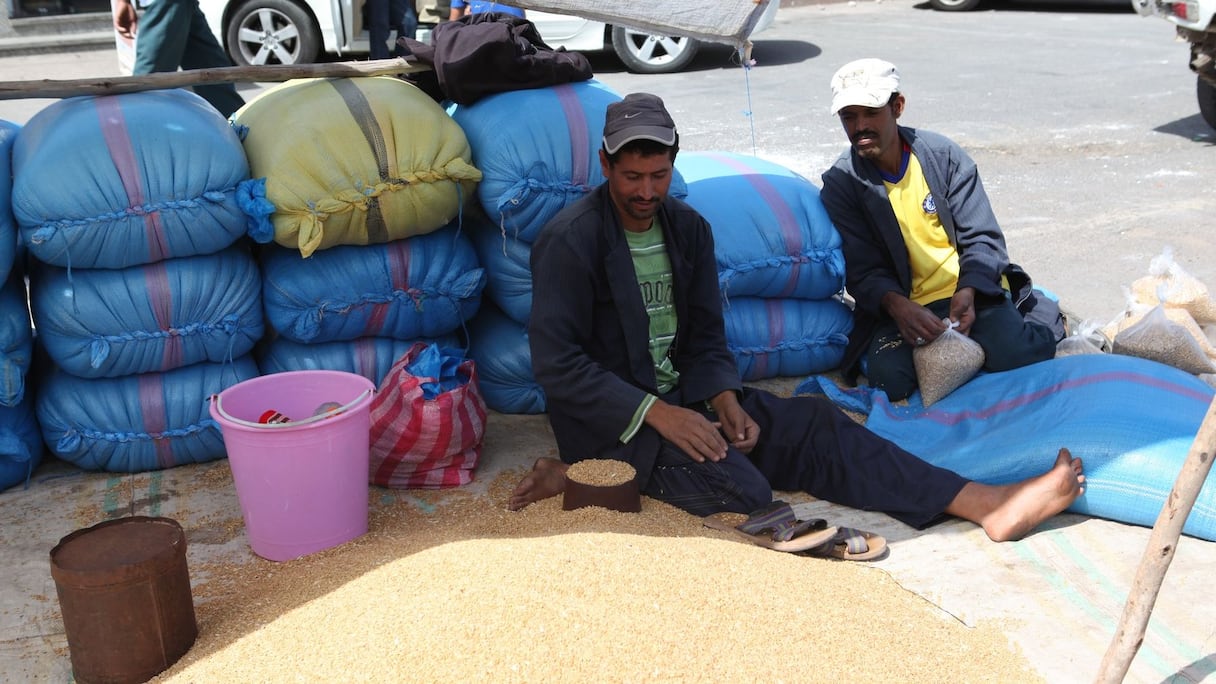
x: 1207, y: 101
x: 954, y: 5
x: 272, y: 32
x: 645, y: 53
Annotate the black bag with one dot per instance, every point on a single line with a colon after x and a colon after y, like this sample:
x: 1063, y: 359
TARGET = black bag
x: 1033, y: 305
x: 491, y: 52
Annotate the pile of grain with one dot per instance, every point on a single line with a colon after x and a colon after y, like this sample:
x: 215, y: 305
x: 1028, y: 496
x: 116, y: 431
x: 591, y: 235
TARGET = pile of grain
x: 453, y: 587
x: 601, y: 472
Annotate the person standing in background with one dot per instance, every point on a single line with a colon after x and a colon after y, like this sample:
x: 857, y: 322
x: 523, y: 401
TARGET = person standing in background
x: 386, y: 15
x: 173, y: 34
x: 463, y: 7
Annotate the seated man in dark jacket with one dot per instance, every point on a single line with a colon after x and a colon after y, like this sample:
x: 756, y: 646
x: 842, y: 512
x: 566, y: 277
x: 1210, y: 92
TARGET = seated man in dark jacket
x: 921, y: 244
x: 627, y: 339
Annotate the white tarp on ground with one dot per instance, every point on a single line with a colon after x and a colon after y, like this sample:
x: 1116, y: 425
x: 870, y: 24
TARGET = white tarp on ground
x: 720, y: 21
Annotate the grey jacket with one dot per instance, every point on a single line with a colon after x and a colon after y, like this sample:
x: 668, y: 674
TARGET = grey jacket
x: 876, y: 259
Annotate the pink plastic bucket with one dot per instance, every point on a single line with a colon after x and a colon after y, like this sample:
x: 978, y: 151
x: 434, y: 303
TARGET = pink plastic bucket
x: 302, y: 485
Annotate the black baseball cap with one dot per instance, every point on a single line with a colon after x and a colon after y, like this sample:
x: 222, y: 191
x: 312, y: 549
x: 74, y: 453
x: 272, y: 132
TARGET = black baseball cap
x: 640, y: 116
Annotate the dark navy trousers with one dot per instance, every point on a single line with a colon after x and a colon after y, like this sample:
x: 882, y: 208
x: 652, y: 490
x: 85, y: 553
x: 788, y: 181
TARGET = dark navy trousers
x: 806, y: 444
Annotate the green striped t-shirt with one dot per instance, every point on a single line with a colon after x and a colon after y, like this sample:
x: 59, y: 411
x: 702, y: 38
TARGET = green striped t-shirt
x: 653, y: 269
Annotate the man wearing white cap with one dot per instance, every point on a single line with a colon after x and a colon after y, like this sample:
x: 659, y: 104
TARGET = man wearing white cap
x: 921, y: 243
x: 628, y: 342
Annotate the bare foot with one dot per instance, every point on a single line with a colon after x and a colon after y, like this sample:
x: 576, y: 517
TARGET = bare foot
x: 1010, y: 512
x: 548, y: 478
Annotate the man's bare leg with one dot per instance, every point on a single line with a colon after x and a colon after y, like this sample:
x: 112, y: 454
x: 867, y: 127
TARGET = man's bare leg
x: 1009, y: 512
x: 548, y: 478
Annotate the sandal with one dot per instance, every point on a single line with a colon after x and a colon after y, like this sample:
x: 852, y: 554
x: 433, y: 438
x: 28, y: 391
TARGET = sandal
x: 775, y: 527
x: 851, y: 544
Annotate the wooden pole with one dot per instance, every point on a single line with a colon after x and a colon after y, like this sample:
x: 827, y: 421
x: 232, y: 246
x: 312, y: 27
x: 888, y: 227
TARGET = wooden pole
x: 114, y: 85
x: 1159, y: 553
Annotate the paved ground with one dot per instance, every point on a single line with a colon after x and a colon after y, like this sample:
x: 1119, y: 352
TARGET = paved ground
x: 1085, y: 122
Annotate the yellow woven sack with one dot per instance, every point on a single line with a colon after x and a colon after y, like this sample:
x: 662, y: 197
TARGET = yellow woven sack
x: 355, y: 161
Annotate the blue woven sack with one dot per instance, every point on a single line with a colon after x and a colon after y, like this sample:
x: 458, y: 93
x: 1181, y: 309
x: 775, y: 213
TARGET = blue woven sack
x: 508, y: 271
x: 20, y: 444
x: 16, y: 341
x: 772, y: 235
x: 1131, y: 421
x: 371, y: 357
x: 538, y: 151
x: 419, y: 287
x: 137, y: 423
x: 499, y: 346
x: 786, y: 337
x: 8, y: 224
x: 105, y: 323
x: 121, y: 180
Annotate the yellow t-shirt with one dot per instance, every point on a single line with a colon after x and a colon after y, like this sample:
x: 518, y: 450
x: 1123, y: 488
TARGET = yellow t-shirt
x: 933, y: 259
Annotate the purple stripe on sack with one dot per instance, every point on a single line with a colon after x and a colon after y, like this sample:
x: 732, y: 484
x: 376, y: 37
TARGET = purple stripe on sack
x: 398, y: 255
x: 787, y: 222
x: 946, y: 418
x: 365, y: 358
x: 776, y: 334
x: 152, y: 408
x: 118, y: 142
x: 160, y: 298
x: 580, y: 137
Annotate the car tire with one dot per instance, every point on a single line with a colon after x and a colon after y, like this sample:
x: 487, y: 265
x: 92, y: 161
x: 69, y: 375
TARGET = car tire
x: 954, y: 5
x: 645, y: 53
x: 1206, y: 93
x: 272, y: 32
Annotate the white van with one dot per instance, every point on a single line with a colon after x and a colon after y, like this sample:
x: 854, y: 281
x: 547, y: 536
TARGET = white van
x: 298, y: 31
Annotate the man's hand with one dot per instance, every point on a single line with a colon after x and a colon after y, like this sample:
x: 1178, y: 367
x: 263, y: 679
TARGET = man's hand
x: 917, y: 324
x: 687, y: 429
x: 126, y: 20
x: 962, y: 309
x: 736, y: 425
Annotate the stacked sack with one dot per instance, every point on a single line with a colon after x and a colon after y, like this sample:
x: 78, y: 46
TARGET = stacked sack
x: 20, y: 440
x: 539, y: 151
x: 367, y: 178
x: 780, y: 265
x: 144, y: 295
x: 1170, y: 318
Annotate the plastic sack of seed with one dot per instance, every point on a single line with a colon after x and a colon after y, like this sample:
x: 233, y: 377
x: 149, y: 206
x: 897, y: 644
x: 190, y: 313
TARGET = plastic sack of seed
x: 1169, y: 284
x: 1157, y: 338
x: 946, y: 363
x: 1088, y: 339
x: 1136, y: 311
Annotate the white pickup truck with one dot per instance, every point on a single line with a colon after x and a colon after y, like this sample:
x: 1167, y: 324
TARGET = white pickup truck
x: 1196, y: 23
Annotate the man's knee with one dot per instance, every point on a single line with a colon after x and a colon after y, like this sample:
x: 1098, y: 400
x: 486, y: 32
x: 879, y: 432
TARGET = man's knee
x: 897, y: 380
x: 1037, y: 344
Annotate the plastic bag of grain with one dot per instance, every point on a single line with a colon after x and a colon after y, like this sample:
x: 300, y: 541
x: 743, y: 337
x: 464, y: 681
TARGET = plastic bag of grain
x: 1136, y: 311
x: 946, y: 363
x: 1157, y: 338
x: 1169, y: 284
x: 355, y: 161
x: 1088, y: 339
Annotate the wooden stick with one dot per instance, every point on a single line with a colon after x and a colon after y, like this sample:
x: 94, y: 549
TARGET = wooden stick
x: 1159, y: 553
x: 11, y: 90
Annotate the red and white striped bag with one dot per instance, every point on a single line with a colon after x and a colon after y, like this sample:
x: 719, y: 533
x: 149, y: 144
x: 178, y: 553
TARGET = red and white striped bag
x: 421, y: 443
